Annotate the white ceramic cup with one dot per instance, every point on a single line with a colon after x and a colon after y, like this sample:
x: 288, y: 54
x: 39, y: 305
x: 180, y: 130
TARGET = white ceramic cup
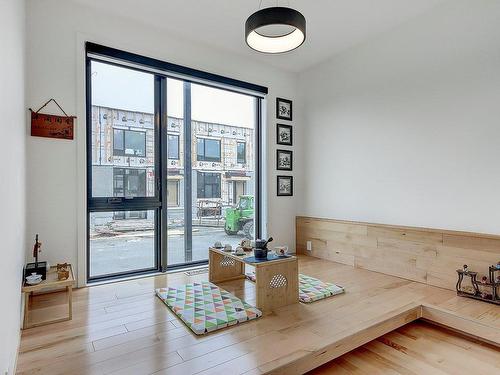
x: 239, y: 251
x: 281, y: 250
x: 228, y: 247
x: 218, y: 244
x: 246, y: 243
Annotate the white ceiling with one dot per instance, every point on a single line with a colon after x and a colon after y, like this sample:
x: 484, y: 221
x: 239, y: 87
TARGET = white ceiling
x: 332, y: 25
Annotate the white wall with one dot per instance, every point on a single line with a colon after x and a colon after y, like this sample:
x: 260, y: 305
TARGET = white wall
x: 56, y: 31
x: 12, y: 188
x: 405, y: 129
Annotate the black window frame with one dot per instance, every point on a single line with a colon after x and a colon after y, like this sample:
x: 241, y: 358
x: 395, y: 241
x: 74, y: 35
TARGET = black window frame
x: 161, y: 70
x: 238, y: 160
x: 202, y: 176
x: 204, y: 156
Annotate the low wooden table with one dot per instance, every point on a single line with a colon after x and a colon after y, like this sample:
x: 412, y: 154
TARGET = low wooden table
x: 277, y: 281
x: 51, y: 282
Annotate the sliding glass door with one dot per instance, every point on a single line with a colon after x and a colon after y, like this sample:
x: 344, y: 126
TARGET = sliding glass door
x: 172, y: 167
x: 211, y: 174
x: 223, y: 167
x: 123, y: 196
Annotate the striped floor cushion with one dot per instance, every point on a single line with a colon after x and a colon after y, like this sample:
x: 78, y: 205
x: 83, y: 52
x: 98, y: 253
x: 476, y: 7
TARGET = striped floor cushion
x: 310, y: 288
x: 204, y: 307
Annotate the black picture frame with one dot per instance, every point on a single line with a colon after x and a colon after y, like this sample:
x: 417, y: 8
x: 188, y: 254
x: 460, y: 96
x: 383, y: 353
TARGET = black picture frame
x: 279, y: 109
x: 281, y: 166
x: 279, y: 191
x: 279, y: 139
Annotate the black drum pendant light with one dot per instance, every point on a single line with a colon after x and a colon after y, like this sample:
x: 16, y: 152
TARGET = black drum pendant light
x: 275, y: 30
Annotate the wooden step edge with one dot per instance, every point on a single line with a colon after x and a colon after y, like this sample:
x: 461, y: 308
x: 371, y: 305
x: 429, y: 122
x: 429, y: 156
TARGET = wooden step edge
x: 470, y: 327
x: 347, y: 341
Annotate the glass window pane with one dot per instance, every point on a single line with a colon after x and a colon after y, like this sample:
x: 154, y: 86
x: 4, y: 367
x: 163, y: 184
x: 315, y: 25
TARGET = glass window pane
x: 121, y: 242
x: 173, y: 147
x: 208, y: 191
x: 175, y: 168
x: 241, y: 152
x: 200, y: 149
x: 173, y: 193
x: 208, y: 185
x: 201, y: 184
x: 129, y: 182
x: 123, y: 133
x: 208, y: 150
x: 118, y: 141
x: 224, y: 125
x: 135, y: 143
x: 212, y: 150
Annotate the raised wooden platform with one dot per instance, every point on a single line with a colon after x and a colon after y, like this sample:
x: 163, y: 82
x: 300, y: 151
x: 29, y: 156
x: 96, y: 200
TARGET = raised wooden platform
x: 417, y: 348
x: 124, y: 328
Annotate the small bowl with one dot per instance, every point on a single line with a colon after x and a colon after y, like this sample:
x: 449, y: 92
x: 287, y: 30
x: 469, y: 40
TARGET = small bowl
x: 239, y: 251
x: 33, y: 279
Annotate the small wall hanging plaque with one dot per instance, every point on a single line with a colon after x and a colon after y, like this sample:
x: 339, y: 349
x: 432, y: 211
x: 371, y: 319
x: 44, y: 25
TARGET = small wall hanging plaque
x: 51, y: 126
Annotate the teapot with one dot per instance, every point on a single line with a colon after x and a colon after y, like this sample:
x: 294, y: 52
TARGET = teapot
x: 260, y: 250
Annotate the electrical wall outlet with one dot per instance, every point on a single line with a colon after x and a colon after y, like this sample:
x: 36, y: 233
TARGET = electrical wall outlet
x: 309, y: 245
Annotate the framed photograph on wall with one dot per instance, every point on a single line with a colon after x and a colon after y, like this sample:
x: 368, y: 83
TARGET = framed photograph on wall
x: 284, y: 109
x: 284, y: 160
x: 284, y: 134
x: 285, y: 186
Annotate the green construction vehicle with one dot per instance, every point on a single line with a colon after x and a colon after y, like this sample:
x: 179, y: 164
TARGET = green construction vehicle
x: 240, y: 217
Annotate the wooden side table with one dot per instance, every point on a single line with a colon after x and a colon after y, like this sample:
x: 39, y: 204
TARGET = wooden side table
x: 277, y: 281
x: 51, y: 282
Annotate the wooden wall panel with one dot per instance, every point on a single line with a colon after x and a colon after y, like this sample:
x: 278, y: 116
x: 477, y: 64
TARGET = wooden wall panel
x: 425, y: 255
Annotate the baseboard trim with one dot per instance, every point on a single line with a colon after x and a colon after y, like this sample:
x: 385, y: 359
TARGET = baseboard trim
x: 16, y: 356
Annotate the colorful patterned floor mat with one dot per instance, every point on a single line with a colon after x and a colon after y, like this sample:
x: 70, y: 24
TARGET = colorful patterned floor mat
x: 310, y: 288
x: 204, y: 307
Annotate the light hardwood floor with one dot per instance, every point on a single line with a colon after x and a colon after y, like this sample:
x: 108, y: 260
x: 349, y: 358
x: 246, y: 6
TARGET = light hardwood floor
x: 123, y: 328
x: 417, y: 348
